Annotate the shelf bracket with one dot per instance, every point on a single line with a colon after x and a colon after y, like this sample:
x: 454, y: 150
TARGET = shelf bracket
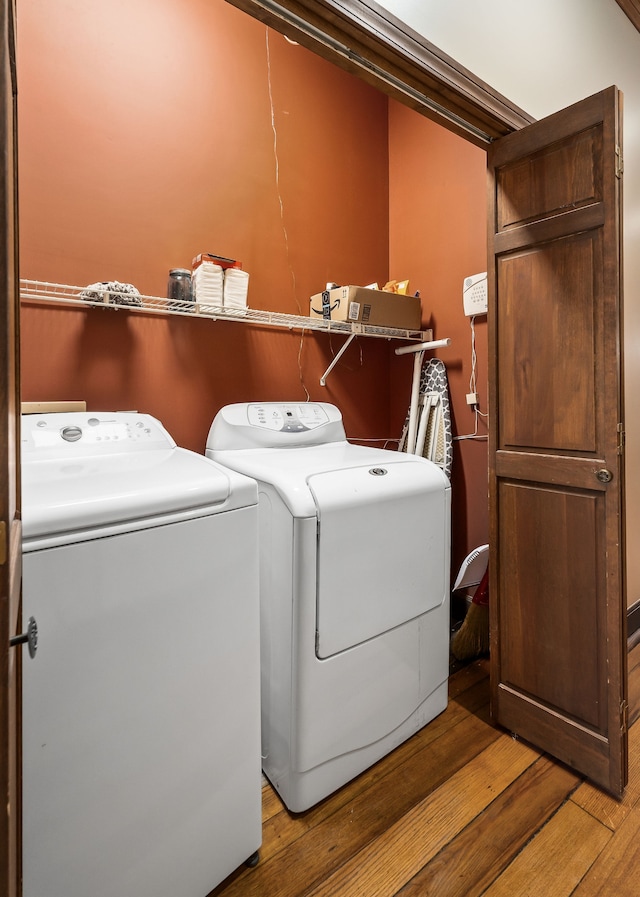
x: 421, y: 347
x: 337, y: 357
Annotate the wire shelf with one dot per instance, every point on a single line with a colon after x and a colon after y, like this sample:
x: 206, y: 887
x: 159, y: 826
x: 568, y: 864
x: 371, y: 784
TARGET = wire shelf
x: 63, y: 294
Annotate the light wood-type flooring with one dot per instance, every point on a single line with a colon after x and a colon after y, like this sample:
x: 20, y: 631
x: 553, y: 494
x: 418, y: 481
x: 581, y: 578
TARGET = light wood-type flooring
x: 461, y: 809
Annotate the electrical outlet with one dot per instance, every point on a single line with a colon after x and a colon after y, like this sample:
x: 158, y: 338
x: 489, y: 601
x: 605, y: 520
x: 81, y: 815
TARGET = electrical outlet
x: 474, y: 295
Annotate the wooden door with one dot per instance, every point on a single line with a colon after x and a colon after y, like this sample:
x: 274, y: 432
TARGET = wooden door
x: 558, y: 610
x: 10, y: 535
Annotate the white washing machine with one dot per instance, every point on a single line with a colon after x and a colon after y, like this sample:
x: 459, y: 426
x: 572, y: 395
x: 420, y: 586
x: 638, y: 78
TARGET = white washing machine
x: 354, y: 586
x: 141, y: 741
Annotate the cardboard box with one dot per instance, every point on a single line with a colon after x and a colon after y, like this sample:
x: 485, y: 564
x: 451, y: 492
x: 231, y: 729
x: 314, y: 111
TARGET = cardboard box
x: 214, y: 260
x: 363, y: 306
x: 47, y: 407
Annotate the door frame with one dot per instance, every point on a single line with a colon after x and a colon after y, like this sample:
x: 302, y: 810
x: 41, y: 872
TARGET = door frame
x: 10, y: 525
x: 368, y: 41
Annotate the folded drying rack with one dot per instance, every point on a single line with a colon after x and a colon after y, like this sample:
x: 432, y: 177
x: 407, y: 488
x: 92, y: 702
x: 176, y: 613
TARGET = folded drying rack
x: 417, y: 429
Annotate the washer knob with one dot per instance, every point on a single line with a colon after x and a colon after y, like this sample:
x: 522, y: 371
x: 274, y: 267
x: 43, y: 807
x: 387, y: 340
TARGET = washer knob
x: 71, y: 434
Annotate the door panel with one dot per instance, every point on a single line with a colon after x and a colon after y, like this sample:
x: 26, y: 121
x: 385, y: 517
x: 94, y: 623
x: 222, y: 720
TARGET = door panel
x: 10, y: 533
x: 537, y: 186
x: 541, y: 310
x: 558, y: 640
x: 545, y: 523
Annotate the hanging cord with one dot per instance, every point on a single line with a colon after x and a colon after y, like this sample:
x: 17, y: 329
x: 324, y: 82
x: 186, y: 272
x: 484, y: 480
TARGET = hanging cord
x: 473, y: 389
x: 281, y: 204
x: 385, y: 440
x: 474, y: 357
x: 277, y: 164
x: 300, y: 366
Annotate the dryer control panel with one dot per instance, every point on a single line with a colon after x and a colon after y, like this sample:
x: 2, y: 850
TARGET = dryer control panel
x: 287, y: 418
x: 275, y: 425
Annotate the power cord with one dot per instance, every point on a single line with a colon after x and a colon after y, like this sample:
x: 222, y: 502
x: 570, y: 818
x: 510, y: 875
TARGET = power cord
x: 472, y: 396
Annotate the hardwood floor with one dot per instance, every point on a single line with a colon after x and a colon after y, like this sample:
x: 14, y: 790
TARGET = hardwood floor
x: 461, y: 809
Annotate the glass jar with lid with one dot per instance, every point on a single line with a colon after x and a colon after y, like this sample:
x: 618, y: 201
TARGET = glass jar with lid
x: 179, y: 289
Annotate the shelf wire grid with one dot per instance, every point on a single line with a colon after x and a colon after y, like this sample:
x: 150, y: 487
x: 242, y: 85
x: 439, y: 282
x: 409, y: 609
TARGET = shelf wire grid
x: 65, y: 294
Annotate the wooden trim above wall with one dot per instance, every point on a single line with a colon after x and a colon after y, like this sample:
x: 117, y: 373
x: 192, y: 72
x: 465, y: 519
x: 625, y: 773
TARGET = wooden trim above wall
x: 363, y: 38
x: 631, y: 9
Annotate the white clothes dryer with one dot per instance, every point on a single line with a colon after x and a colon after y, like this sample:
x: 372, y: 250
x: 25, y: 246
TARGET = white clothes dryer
x: 141, y: 742
x: 354, y: 586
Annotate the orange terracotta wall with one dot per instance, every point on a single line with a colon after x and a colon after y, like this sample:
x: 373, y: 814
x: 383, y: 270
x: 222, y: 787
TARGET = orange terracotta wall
x: 151, y: 131
x: 437, y: 238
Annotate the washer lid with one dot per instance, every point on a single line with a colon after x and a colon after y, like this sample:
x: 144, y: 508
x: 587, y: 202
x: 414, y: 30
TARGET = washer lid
x: 76, y: 493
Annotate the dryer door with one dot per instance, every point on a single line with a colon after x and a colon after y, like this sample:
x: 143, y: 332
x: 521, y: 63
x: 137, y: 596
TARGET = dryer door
x: 383, y: 549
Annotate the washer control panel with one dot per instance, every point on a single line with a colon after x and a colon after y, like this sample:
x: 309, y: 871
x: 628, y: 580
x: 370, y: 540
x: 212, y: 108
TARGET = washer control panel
x: 58, y: 433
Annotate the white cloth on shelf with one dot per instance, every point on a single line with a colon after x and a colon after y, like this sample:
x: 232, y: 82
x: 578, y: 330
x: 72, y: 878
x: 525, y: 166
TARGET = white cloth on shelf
x: 236, y: 287
x: 208, y: 284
